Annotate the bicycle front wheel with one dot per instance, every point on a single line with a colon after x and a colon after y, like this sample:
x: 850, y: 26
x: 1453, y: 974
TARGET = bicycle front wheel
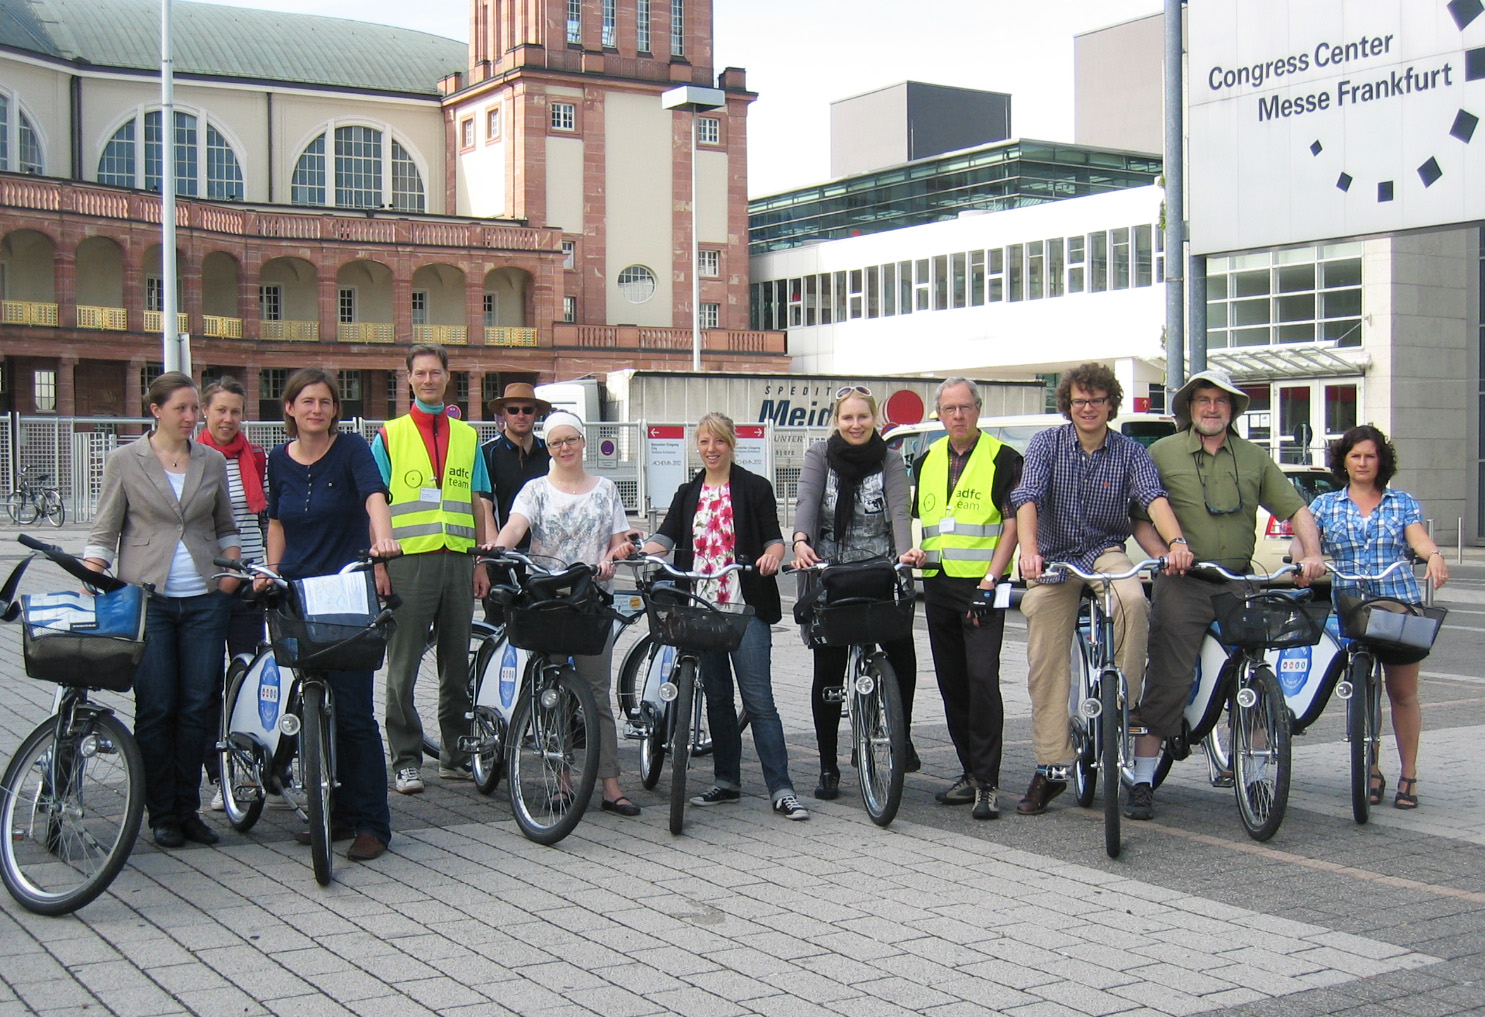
x: 551, y: 755
x: 53, y: 508
x: 1260, y: 752
x: 680, y: 740
x: 1360, y: 731
x: 69, y: 813
x: 21, y: 508
x: 881, y: 737
x: 241, y: 771
x: 319, y: 778
x: 1108, y: 720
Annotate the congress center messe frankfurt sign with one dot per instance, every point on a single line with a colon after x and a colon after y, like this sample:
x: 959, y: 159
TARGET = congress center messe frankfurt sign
x: 1310, y: 120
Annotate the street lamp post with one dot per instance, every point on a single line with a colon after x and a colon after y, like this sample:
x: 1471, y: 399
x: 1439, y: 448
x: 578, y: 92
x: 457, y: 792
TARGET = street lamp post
x: 694, y: 99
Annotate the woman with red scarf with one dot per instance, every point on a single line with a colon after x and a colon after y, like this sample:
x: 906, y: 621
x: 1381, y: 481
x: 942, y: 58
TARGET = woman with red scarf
x: 247, y: 464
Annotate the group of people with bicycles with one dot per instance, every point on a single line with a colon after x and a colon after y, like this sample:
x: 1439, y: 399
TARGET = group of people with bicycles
x: 423, y: 494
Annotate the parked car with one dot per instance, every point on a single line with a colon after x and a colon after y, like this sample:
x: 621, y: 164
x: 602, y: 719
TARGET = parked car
x: 1276, y: 535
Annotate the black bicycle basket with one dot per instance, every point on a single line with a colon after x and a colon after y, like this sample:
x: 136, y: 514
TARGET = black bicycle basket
x: 1269, y: 620
x: 1388, y: 622
x: 566, y: 614
x: 682, y: 619
x: 868, y: 602
x: 326, y: 623
x: 85, y: 641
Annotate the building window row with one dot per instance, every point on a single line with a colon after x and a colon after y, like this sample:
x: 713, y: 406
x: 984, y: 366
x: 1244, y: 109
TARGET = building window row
x: 124, y: 164
x: 609, y: 25
x: 1126, y: 257
x: 1312, y: 294
x: 360, y: 153
x: 20, y: 151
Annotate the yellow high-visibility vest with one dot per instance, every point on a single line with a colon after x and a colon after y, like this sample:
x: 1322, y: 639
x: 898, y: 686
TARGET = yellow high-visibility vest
x: 427, y: 515
x: 960, y: 534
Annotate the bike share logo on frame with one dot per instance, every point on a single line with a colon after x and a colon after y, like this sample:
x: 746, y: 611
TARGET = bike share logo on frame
x: 268, y: 688
x: 1294, y: 668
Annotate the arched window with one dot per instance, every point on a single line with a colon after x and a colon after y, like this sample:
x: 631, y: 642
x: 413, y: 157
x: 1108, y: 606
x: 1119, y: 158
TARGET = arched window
x: 123, y: 165
x: 20, y: 150
x: 360, y: 179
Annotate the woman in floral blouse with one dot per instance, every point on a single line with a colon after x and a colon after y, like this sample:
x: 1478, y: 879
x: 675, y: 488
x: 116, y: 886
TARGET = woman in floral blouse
x: 726, y: 514
x: 574, y: 516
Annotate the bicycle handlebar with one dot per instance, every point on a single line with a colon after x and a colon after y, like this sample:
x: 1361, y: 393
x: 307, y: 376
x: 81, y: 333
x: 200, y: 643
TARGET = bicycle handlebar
x: 822, y: 565
x: 1279, y: 573
x: 1149, y: 564
x: 672, y: 571
x: 1359, y: 577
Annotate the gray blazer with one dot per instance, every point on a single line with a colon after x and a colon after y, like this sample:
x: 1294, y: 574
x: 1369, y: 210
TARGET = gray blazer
x: 139, y: 521
x: 812, y: 479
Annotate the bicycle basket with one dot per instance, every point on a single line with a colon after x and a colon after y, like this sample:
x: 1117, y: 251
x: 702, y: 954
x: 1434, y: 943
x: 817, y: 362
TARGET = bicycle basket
x: 77, y: 639
x: 326, y: 622
x: 676, y: 619
x: 566, y: 614
x: 1389, y: 623
x: 1269, y: 620
x: 863, y: 602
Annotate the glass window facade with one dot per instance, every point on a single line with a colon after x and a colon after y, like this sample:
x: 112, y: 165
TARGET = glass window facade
x: 1308, y: 295
x: 407, y: 182
x: 1005, y: 175
x: 564, y: 116
x: 308, y: 184
x: 358, y: 167
x: 642, y: 27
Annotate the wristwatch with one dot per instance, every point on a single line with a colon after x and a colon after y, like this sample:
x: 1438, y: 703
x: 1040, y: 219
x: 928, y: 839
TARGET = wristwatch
x: 1178, y: 540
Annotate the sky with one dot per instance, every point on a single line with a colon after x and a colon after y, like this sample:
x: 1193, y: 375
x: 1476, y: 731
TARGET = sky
x: 801, y: 55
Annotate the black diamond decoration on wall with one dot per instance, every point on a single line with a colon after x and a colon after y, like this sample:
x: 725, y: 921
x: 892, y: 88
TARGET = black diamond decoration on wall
x: 1465, y: 11
x: 1430, y: 171
x: 1384, y: 191
x: 1474, y: 64
x: 1464, y: 126
x: 1344, y: 181
x: 1316, y: 148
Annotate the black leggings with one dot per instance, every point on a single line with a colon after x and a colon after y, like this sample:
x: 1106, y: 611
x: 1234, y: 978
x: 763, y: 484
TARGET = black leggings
x: 830, y: 671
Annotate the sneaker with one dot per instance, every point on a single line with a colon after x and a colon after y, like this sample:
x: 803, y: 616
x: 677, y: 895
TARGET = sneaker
x: 717, y: 796
x: 455, y: 773
x: 985, y: 804
x: 828, y: 790
x: 961, y: 792
x: 788, y: 806
x: 410, y: 781
x: 217, y: 805
x: 1141, y: 802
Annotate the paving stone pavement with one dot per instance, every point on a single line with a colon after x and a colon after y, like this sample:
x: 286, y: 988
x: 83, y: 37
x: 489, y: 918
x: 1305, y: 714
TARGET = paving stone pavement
x: 748, y: 914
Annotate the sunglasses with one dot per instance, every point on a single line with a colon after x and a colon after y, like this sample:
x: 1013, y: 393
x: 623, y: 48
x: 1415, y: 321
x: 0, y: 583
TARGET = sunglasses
x: 522, y: 411
x: 841, y: 393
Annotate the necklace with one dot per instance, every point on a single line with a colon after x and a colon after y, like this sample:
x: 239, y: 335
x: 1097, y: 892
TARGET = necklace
x: 174, y: 457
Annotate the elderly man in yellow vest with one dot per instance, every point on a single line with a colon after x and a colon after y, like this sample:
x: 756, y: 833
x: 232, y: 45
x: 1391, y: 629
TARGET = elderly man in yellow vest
x: 440, y: 489
x: 964, y: 484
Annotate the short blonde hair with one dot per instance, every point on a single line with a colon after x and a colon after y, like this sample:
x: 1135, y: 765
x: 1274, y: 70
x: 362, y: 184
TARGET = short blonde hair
x: 720, y: 425
x: 866, y: 397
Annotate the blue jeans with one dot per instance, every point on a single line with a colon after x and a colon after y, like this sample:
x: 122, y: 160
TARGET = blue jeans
x: 752, y: 664
x: 361, y: 800
x: 176, y: 691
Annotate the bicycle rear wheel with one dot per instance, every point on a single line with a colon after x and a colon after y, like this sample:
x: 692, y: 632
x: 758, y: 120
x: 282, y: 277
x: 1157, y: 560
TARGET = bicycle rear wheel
x: 551, y: 755
x: 53, y: 508
x: 1360, y: 731
x: 680, y: 740
x: 1085, y: 745
x: 319, y: 778
x: 241, y: 764
x: 630, y: 686
x: 1108, y: 719
x: 1260, y: 752
x: 21, y: 508
x: 487, y: 762
x: 881, y: 738
x: 69, y: 813
x: 425, y: 687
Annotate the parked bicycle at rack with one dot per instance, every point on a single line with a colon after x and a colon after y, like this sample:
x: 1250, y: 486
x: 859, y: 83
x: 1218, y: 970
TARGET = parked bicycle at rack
x: 861, y: 605
x: 72, y: 797
x: 1098, y: 699
x: 35, y: 499
x: 278, y: 733
x: 683, y: 626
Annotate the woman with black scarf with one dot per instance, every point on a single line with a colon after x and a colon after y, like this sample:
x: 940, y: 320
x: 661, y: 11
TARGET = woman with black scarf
x: 854, y: 504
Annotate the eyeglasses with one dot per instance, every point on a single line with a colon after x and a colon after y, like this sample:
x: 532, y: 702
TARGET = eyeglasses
x: 946, y: 411
x: 846, y: 390
x: 563, y: 442
x: 521, y: 411
x: 1096, y: 404
x: 1206, y: 497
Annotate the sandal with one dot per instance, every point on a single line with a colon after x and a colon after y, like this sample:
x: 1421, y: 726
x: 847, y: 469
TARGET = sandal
x: 1376, y: 789
x: 1405, y: 799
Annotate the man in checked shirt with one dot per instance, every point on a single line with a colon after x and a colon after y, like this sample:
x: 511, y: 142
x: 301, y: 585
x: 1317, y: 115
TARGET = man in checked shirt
x: 1073, y: 505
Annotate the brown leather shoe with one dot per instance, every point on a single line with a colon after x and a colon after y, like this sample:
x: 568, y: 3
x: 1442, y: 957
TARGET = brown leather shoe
x: 1039, y: 794
x: 365, y: 847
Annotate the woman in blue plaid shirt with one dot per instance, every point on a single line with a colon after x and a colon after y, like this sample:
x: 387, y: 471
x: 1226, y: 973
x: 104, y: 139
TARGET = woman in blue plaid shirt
x: 1366, y: 527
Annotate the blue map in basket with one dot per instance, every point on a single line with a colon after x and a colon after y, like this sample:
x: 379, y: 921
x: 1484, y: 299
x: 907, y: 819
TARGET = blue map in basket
x: 108, y: 614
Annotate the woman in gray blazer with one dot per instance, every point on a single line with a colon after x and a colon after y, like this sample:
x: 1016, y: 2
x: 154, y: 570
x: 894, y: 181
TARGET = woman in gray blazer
x: 853, y: 505
x: 163, y: 514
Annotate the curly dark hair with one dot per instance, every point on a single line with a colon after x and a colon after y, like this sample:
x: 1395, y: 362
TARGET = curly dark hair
x: 1091, y: 377
x: 1342, y: 446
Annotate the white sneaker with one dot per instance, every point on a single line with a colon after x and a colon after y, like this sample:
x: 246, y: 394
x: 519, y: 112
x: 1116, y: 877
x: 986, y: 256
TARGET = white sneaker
x: 788, y: 806
x: 217, y: 805
x: 410, y: 780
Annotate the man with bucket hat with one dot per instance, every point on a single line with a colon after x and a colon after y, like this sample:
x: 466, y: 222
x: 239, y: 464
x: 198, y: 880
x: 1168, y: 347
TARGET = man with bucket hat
x: 1216, y: 481
x: 516, y: 456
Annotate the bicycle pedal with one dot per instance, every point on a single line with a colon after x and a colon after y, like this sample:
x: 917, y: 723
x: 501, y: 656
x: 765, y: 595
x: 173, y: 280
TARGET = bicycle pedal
x: 632, y: 730
x: 469, y: 744
x: 836, y: 694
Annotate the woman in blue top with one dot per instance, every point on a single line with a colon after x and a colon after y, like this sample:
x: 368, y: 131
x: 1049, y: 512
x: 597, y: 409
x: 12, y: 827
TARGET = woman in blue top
x: 326, y: 504
x: 1366, y: 527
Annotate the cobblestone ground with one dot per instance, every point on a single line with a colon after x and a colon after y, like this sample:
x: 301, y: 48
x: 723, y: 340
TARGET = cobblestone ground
x: 746, y: 913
